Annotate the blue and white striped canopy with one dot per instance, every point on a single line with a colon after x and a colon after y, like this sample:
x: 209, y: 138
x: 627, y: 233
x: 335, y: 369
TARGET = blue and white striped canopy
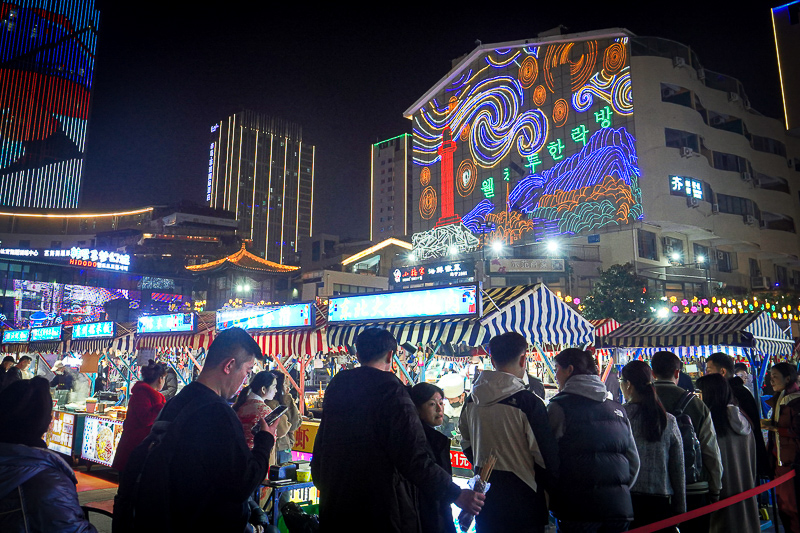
x: 538, y: 315
x: 755, y: 330
x: 416, y: 332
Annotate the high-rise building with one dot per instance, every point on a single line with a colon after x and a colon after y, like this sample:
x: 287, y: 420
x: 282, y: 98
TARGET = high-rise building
x: 390, y: 188
x: 46, y: 63
x: 549, y: 158
x: 260, y: 169
x: 786, y: 26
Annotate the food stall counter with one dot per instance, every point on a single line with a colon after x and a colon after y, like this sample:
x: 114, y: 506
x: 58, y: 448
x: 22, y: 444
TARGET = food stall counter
x: 65, y: 434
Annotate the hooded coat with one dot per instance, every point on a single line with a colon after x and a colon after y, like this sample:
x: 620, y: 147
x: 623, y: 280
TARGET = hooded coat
x: 738, y: 450
x: 598, y: 458
x: 502, y: 417
x: 37, y: 492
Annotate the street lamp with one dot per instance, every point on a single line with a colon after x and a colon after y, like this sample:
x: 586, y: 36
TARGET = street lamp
x: 552, y: 246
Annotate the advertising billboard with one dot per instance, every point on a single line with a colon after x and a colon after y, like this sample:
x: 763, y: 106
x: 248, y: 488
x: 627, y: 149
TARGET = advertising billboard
x: 41, y: 303
x: 457, y: 301
x: 524, y: 144
x: 278, y: 316
x: 100, y: 439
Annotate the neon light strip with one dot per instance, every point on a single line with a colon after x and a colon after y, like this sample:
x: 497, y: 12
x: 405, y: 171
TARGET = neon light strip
x: 269, y: 197
x: 255, y: 180
x: 371, y: 190
x: 238, y: 176
x: 297, y: 210
x: 85, y: 215
x: 780, y: 69
x: 311, y: 215
x: 283, y: 202
x: 405, y: 189
x: 373, y: 249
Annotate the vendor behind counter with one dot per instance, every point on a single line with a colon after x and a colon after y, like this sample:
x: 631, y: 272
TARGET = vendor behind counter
x: 66, y: 378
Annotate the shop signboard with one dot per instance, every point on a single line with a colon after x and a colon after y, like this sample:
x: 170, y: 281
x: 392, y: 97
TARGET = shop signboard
x: 93, y: 330
x: 444, y: 272
x: 16, y: 336
x: 277, y: 316
x: 61, y: 432
x: 459, y: 460
x: 80, y: 257
x: 507, y: 266
x: 174, y: 323
x: 100, y: 439
x: 304, y: 437
x: 456, y: 301
x: 49, y: 333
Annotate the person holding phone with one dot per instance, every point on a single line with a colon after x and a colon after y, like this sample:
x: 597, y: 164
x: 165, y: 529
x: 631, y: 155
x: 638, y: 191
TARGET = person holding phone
x: 251, y: 408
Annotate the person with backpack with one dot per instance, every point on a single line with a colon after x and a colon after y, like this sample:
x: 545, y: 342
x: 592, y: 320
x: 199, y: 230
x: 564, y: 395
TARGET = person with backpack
x: 660, y: 489
x: 598, y: 461
x: 194, y: 471
x: 784, y: 432
x: 738, y: 449
x: 703, y: 473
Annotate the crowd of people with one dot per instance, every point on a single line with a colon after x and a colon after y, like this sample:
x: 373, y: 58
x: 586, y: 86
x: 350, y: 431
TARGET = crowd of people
x: 584, y: 460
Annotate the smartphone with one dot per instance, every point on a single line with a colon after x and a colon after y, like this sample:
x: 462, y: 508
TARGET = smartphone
x: 278, y: 411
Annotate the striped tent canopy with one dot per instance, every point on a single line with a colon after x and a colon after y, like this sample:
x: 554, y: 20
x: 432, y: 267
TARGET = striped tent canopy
x: 294, y: 341
x: 756, y: 330
x: 537, y: 314
x: 206, y: 330
x: 604, y: 326
x: 416, y: 332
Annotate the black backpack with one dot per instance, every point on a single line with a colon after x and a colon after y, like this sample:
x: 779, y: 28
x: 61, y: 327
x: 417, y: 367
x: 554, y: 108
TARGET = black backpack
x: 692, y: 454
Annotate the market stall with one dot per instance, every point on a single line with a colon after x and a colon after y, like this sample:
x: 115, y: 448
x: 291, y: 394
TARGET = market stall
x: 101, y: 436
x: 754, y: 336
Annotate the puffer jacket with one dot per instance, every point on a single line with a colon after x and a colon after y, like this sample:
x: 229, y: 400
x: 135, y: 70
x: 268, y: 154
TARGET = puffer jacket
x: 786, y: 414
x: 37, y: 492
x: 598, y: 458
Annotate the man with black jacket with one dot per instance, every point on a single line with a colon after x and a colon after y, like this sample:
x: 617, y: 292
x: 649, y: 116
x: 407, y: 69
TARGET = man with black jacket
x: 721, y: 363
x: 201, y: 475
x: 371, y: 456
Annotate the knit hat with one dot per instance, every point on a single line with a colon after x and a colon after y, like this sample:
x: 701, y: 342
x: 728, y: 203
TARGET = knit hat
x: 25, y: 411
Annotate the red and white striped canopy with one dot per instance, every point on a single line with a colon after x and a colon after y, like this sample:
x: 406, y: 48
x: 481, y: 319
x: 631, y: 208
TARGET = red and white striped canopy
x: 604, y: 326
x: 196, y: 341
x: 293, y: 342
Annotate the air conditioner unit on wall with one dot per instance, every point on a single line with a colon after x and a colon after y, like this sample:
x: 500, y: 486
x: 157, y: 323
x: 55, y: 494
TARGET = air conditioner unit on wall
x: 701, y: 74
x: 750, y: 220
x: 760, y: 282
x: 714, y: 209
x: 733, y: 97
x: 716, y: 120
x: 692, y: 201
x: 678, y: 62
x: 686, y: 151
x: 746, y: 176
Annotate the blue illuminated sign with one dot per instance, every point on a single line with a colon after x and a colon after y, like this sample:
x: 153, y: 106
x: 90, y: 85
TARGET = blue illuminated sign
x: 279, y: 316
x: 15, y: 336
x: 175, y: 323
x: 458, y: 301
x: 50, y: 333
x: 94, y: 330
x: 688, y: 187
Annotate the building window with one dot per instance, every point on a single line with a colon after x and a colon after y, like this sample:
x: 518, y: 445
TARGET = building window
x: 755, y: 270
x: 770, y: 146
x: 781, y: 276
x: 648, y: 247
x: 732, y: 162
x: 673, y: 250
x: 682, y: 139
x: 725, y: 261
x: 735, y: 205
x: 701, y: 257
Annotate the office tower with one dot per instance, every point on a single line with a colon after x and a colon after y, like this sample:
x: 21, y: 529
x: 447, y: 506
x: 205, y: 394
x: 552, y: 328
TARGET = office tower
x: 260, y: 169
x: 390, y: 188
x: 46, y: 65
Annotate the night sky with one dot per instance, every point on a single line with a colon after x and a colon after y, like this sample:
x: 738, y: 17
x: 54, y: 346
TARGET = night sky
x: 163, y: 76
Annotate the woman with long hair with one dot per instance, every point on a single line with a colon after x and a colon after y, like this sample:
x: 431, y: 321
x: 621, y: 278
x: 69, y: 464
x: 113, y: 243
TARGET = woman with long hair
x: 784, y: 432
x: 144, y: 407
x: 660, y: 489
x: 251, y: 407
x: 737, y: 447
x: 289, y: 422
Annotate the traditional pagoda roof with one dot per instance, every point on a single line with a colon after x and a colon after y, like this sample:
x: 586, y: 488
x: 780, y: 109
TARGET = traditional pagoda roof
x: 243, y: 260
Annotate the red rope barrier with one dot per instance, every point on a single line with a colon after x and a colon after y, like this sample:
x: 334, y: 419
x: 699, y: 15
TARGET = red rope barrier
x: 655, y: 526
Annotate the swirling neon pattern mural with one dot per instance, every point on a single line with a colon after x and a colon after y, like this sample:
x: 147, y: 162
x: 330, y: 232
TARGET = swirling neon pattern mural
x: 540, y: 143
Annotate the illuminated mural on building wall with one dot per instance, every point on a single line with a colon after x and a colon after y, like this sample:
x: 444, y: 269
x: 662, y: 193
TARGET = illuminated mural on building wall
x: 527, y: 143
x: 47, y: 56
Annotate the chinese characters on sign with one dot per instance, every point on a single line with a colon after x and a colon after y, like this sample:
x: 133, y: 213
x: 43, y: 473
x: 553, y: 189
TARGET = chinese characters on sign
x: 166, y: 323
x: 689, y: 187
x: 459, y: 300
x: 280, y: 316
x: 446, y: 272
x: 94, y: 330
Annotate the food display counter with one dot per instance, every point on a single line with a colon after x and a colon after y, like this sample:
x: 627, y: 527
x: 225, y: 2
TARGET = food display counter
x: 65, y: 434
x: 101, y: 436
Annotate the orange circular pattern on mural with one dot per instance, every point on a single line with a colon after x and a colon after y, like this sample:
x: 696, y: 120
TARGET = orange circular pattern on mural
x: 539, y: 95
x: 465, y: 132
x: 614, y: 58
x: 425, y: 176
x: 452, y: 103
x: 560, y: 112
x: 528, y: 72
x: 427, y: 203
x: 466, y: 177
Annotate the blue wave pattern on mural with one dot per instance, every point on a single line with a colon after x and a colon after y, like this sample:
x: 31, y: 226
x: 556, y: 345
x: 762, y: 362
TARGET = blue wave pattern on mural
x: 595, y: 187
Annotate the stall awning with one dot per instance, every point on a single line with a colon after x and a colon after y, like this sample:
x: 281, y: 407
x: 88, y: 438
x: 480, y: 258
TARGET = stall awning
x: 538, y: 315
x: 416, y: 332
x: 88, y: 345
x: 604, y: 326
x: 294, y: 342
x: 126, y: 343
x: 750, y: 329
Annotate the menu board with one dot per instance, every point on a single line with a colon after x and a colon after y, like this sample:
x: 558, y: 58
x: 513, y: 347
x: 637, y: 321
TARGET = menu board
x: 457, y: 301
x: 100, y: 439
x: 61, y: 432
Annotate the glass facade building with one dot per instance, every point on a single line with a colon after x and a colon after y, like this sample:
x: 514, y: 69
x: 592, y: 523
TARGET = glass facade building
x: 260, y: 169
x: 47, y: 52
